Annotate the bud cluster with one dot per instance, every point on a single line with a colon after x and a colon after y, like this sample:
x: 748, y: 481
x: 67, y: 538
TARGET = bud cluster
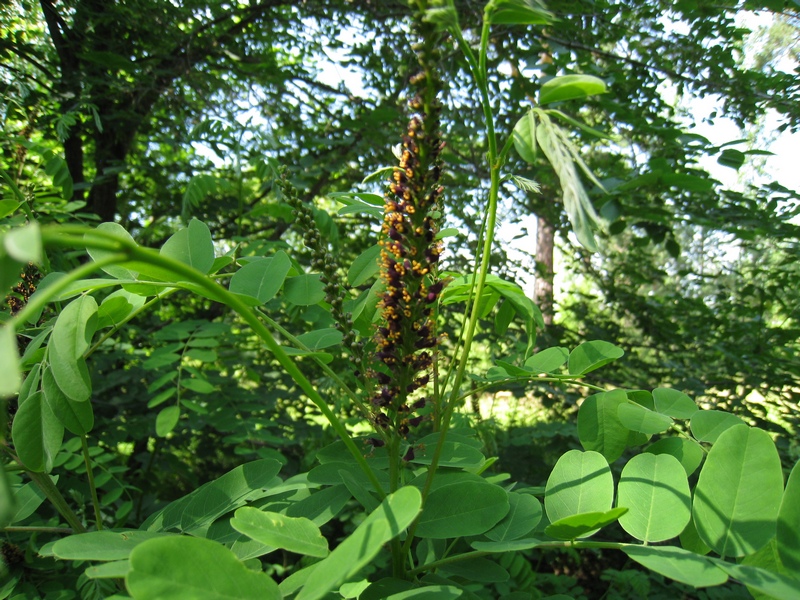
x: 323, y: 262
x: 406, y: 337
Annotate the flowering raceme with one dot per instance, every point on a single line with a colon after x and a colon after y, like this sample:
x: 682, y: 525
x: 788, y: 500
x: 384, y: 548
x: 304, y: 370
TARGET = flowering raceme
x: 410, y: 253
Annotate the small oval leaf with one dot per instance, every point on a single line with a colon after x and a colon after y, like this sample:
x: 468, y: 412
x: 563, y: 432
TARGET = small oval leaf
x: 570, y: 87
x: 461, y: 509
x: 655, y: 489
x: 738, y: 492
x: 261, y: 279
x: 167, y: 419
x: 592, y: 355
x: 180, y: 567
x: 364, y: 267
x: 274, y: 529
x: 584, y: 524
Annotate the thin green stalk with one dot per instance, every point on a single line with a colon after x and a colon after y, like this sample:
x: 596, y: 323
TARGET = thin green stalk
x: 446, y: 561
x: 39, y: 300
x: 117, y: 326
x: 91, y: 238
x: 326, y: 369
x: 393, y: 448
x: 43, y: 481
x: 541, y: 546
x: 564, y: 379
x: 92, y: 488
x: 479, y: 73
x: 18, y: 529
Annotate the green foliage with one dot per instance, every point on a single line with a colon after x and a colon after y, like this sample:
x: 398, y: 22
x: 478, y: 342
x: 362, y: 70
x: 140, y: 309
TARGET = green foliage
x: 203, y: 412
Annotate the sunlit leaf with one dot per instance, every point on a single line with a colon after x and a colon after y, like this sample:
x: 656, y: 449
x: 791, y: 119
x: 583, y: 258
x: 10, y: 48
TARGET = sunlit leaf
x: 599, y: 427
x: 76, y: 417
x: 788, y: 536
x: 583, y: 524
x: 191, y: 245
x: 655, y: 489
x: 304, y: 290
x: 523, y: 516
x: 739, y: 492
x: 548, y: 360
x: 461, y: 509
x: 580, y: 483
x: 9, y: 358
x: 638, y: 418
x: 364, y: 267
x: 103, y: 545
x: 115, y: 271
x: 394, y: 514
x: 167, y: 419
x: 708, y: 425
x: 570, y: 87
x: 520, y: 12
x: 524, y: 137
x: 24, y: 244
x: 688, y: 452
x: 274, y: 529
x: 674, y: 403
x: 37, y: 434
x: 261, y: 279
x: 678, y: 564
x: 592, y: 355
x: 181, y: 567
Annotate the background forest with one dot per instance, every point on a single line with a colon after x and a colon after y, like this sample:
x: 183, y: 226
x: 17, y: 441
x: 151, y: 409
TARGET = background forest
x: 273, y: 129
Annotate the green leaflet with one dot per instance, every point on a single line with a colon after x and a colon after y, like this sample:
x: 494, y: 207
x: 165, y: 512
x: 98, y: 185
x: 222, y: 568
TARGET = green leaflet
x: 191, y: 245
x: 655, y: 489
x: 738, y: 493
x: 580, y: 483
x: 159, y: 569
x: 394, y: 514
x: 462, y: 509
x: 37, y: 434
x: 592, y: 355
x: 274, y: 529
x: 789, y: 523
x: 599, y: 427
x: 678, y: 564
x: 69, y: 341
x: 570, y: 87
x: 261, y: 279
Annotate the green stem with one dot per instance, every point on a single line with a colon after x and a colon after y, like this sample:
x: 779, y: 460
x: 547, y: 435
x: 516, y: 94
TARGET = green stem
x: 117, y: 326
x: 91, y: 238
x: 43, y: 296
x: 480, y: 76
x: 43, y: 481
x: 393, y: 449
x: 17, y: 529
x: 556, y: 379
x: 92, y: 488
x: 447, y: 561
x: 325, y: 368
x: 541, y: 546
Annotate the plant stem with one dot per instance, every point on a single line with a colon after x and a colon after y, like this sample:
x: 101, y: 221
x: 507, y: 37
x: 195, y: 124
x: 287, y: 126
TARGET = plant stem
x: 491, y: 220
x: 479, y: 74
x: 92, y: 488
x: 17, y: 529
x: 533, y: 379
x: 398, y: 564
x: 127, y: 251
x: 40, y: 299
x: 43, y: 481
x: 328, y: 371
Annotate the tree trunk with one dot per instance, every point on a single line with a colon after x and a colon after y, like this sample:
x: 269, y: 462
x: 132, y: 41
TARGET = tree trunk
x: 543, y: 289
